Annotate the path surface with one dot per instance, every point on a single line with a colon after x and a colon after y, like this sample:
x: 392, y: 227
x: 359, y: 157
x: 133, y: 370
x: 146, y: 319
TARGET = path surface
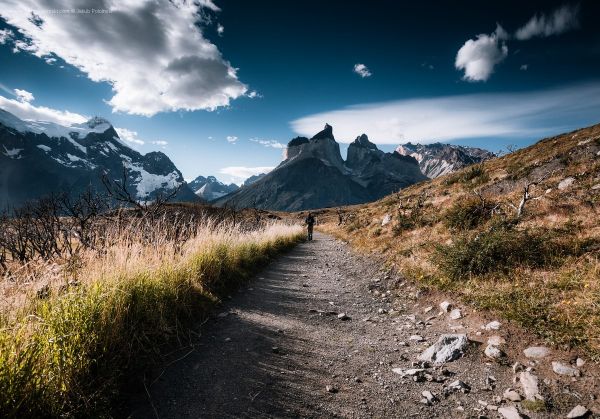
x: 277, y: 344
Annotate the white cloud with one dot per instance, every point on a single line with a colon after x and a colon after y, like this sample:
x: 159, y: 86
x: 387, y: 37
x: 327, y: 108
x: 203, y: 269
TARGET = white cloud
x: 5, y: 36
x: 525, y: 114
x: 524, y: 67
x: 165, y: 65
x: 254, y: 94
x: 129, y: 136
x: 561, y: 20
x: 478, y: 57
x: 362, y: 70
x: 160, y: 142
x: 241, y: 173
x: 25, y: 110
x: 24, y: 95
x: 220, y: 29
x: 231, y: 139
x: 268, y: 143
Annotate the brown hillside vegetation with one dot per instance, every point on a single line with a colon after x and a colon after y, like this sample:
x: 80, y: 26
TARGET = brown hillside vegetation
x: 518, y: 235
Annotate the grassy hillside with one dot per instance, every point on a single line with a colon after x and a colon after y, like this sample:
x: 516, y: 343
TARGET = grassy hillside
x: 68, y: 348
x: 468, y: 233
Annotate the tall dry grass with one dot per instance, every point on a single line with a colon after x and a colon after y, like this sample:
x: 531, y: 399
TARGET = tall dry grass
x: 109, y: 313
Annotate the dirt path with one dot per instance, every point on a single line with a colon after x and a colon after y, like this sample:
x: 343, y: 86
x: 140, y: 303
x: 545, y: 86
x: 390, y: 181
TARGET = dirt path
x: 278, y: 344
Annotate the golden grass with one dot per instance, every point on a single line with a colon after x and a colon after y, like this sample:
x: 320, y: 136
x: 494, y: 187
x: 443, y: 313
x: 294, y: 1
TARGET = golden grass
x: 68, y: 354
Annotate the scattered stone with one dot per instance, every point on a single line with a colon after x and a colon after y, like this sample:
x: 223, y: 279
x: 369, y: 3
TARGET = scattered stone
x: 445, y: 306
x: 331, y: 389
x: 343, y: 316
x: 429, y: 397
x: 493, y: 325
x: 509, y: 412
x: 455, y: 314
x: 564, y: 369
x: 459, y: 386
x: 517, y: 366
x: 596, y: 186
x: 447, y: 348
x: 386, y: 220
x: 496, y: 340
x: 565, y: 183
x: 578, y: 411
x: 492, y: 351
x: 382, y: 311
x: 580, y: 362
x: 536, y: 352
x: 512, y: 395
x: 417, y: 338
x: 428, y: 309
x: 529, y: 383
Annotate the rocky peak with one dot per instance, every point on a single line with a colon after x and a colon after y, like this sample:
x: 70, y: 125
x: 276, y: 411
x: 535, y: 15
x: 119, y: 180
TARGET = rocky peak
x: 96, y: 121
x: 363, y: 141
x: 326, y: 133
x: 298, y: 141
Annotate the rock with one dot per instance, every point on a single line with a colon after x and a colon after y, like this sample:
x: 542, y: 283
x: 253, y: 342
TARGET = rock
x: 459, y: 386
x: 331, y: 389
x: 578, y: 411
x: 448, y: 348
x: 580, y: 362
x: 491, y: 407
x: 445, y: 306
x: 596, y: 186
x: 343, y: 316
x: 509, y: 412
x: 417, y: 338
x: 493, y: 325
x: 536, y: 352
x: 564, y: 369
x: 429, y: 396
x: 386, y: 220
x: 427, y: 309
x: 382, y: 311
x: 512, y: 395
x: 493, y: 352
x: 496, y: 340
x: 529, y: 383
x: 565, y: 183
x: 275, y: 349
x: 455, y: 314
x: 517, y: 366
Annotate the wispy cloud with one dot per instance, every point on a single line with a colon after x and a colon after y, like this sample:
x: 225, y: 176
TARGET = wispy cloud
x: 129, y: 136
x: 24, y: 109
x: 231, y: 139
x: 362, y: 70
x: 560, y: 20
x: 220, y: 29
x: 171, y: 67
x: 241, y: 173
x: 268, y: 143
x: 497, y: 115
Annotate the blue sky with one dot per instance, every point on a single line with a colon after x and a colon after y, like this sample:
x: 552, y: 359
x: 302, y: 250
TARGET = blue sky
x: 222, y: 86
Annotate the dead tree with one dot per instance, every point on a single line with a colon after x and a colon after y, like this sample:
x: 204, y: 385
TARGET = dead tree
x: 527, y: 194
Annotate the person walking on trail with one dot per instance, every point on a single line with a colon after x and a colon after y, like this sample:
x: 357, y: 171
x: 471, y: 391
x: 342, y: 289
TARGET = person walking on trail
x: 310, y: 223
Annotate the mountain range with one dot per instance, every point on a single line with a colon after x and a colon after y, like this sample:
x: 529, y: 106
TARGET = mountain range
x: 38, y: 158
x: 314, y: 175
x: 210, y: 188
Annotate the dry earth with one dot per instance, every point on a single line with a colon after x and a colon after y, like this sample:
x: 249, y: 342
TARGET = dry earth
x: 279, y: 349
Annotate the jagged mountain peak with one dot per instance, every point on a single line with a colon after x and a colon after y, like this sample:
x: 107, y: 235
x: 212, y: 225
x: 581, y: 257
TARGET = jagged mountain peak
x: 326, y: 133
x: 294, y: 142
x: 363, y: 141
x: 96, y: 121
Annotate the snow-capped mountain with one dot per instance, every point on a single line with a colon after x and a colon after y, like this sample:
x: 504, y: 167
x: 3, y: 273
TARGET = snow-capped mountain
x: 38, y: 158
x: 314, y: 175
x: 209, y: 188
x: 439, y: 159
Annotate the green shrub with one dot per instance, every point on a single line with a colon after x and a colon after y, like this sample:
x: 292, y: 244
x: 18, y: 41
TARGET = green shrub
x: 473, y: 175
x: 497, y: 250
x: 467, y: 214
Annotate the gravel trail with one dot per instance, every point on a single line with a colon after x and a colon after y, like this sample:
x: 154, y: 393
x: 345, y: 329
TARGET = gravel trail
x: 280, y: 348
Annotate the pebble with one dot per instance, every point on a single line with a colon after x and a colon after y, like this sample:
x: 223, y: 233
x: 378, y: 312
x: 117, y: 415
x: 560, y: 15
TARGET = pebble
x: 493, y: 325
x: 509, y: 412
x: 496, y: 340
x: 445, y: 306
x: 578, y: 411
x: 428, y: 309
x: 343, y: 316
x: 512, y: 395
x: 331, y: 389
x: 536, y: 352
x: 493, y: 352
x: 580, y: 362
x: 417, y: 338
x: 565, y: 183
x: 382, y: 311
x: 455, y: 314
x: 529, y: 383
x: 564, y: 369
x: 429, y: 396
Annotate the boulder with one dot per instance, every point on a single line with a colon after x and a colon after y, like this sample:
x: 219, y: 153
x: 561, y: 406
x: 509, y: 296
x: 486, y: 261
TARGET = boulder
x: 536, y: 352
x: 448, y: 348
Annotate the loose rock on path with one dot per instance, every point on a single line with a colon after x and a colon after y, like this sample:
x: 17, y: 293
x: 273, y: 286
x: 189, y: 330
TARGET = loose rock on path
x: 326, y: 333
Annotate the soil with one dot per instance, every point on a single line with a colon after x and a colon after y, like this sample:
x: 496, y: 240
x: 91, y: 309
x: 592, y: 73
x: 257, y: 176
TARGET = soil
x: 279, y: 349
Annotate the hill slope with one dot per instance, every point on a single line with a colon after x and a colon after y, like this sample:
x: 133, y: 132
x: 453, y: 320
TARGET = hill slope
x: 518, y: 235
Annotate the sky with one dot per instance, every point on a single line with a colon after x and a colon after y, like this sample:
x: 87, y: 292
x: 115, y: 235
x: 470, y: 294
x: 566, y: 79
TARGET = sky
x: 221, y: 86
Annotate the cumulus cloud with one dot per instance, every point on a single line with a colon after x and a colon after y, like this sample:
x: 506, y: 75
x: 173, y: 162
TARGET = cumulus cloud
x: 478, y: 57
x: 129, y: 136
x: 498, y: 115
x: 268, y: 143
x: 160, y: 142
x: 241, y: 173
x: 24, y: 95
x: 5, y: 36
x: 362, y: 70
x: 561, y: 20
x: 166, y: 64
x: 231, y: 139
x: 25, y: 110
x: 220, y: 29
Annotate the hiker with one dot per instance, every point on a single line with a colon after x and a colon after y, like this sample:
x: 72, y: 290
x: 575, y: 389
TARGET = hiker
x: 310, y: 222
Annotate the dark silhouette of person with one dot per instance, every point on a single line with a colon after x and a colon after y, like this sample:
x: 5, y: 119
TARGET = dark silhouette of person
x: 310, y: 223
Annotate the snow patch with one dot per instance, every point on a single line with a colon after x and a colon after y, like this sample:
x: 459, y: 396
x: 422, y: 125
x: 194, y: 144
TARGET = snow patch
x: 13, y: 153
x: 44, y: 147
x: 147, y: 183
